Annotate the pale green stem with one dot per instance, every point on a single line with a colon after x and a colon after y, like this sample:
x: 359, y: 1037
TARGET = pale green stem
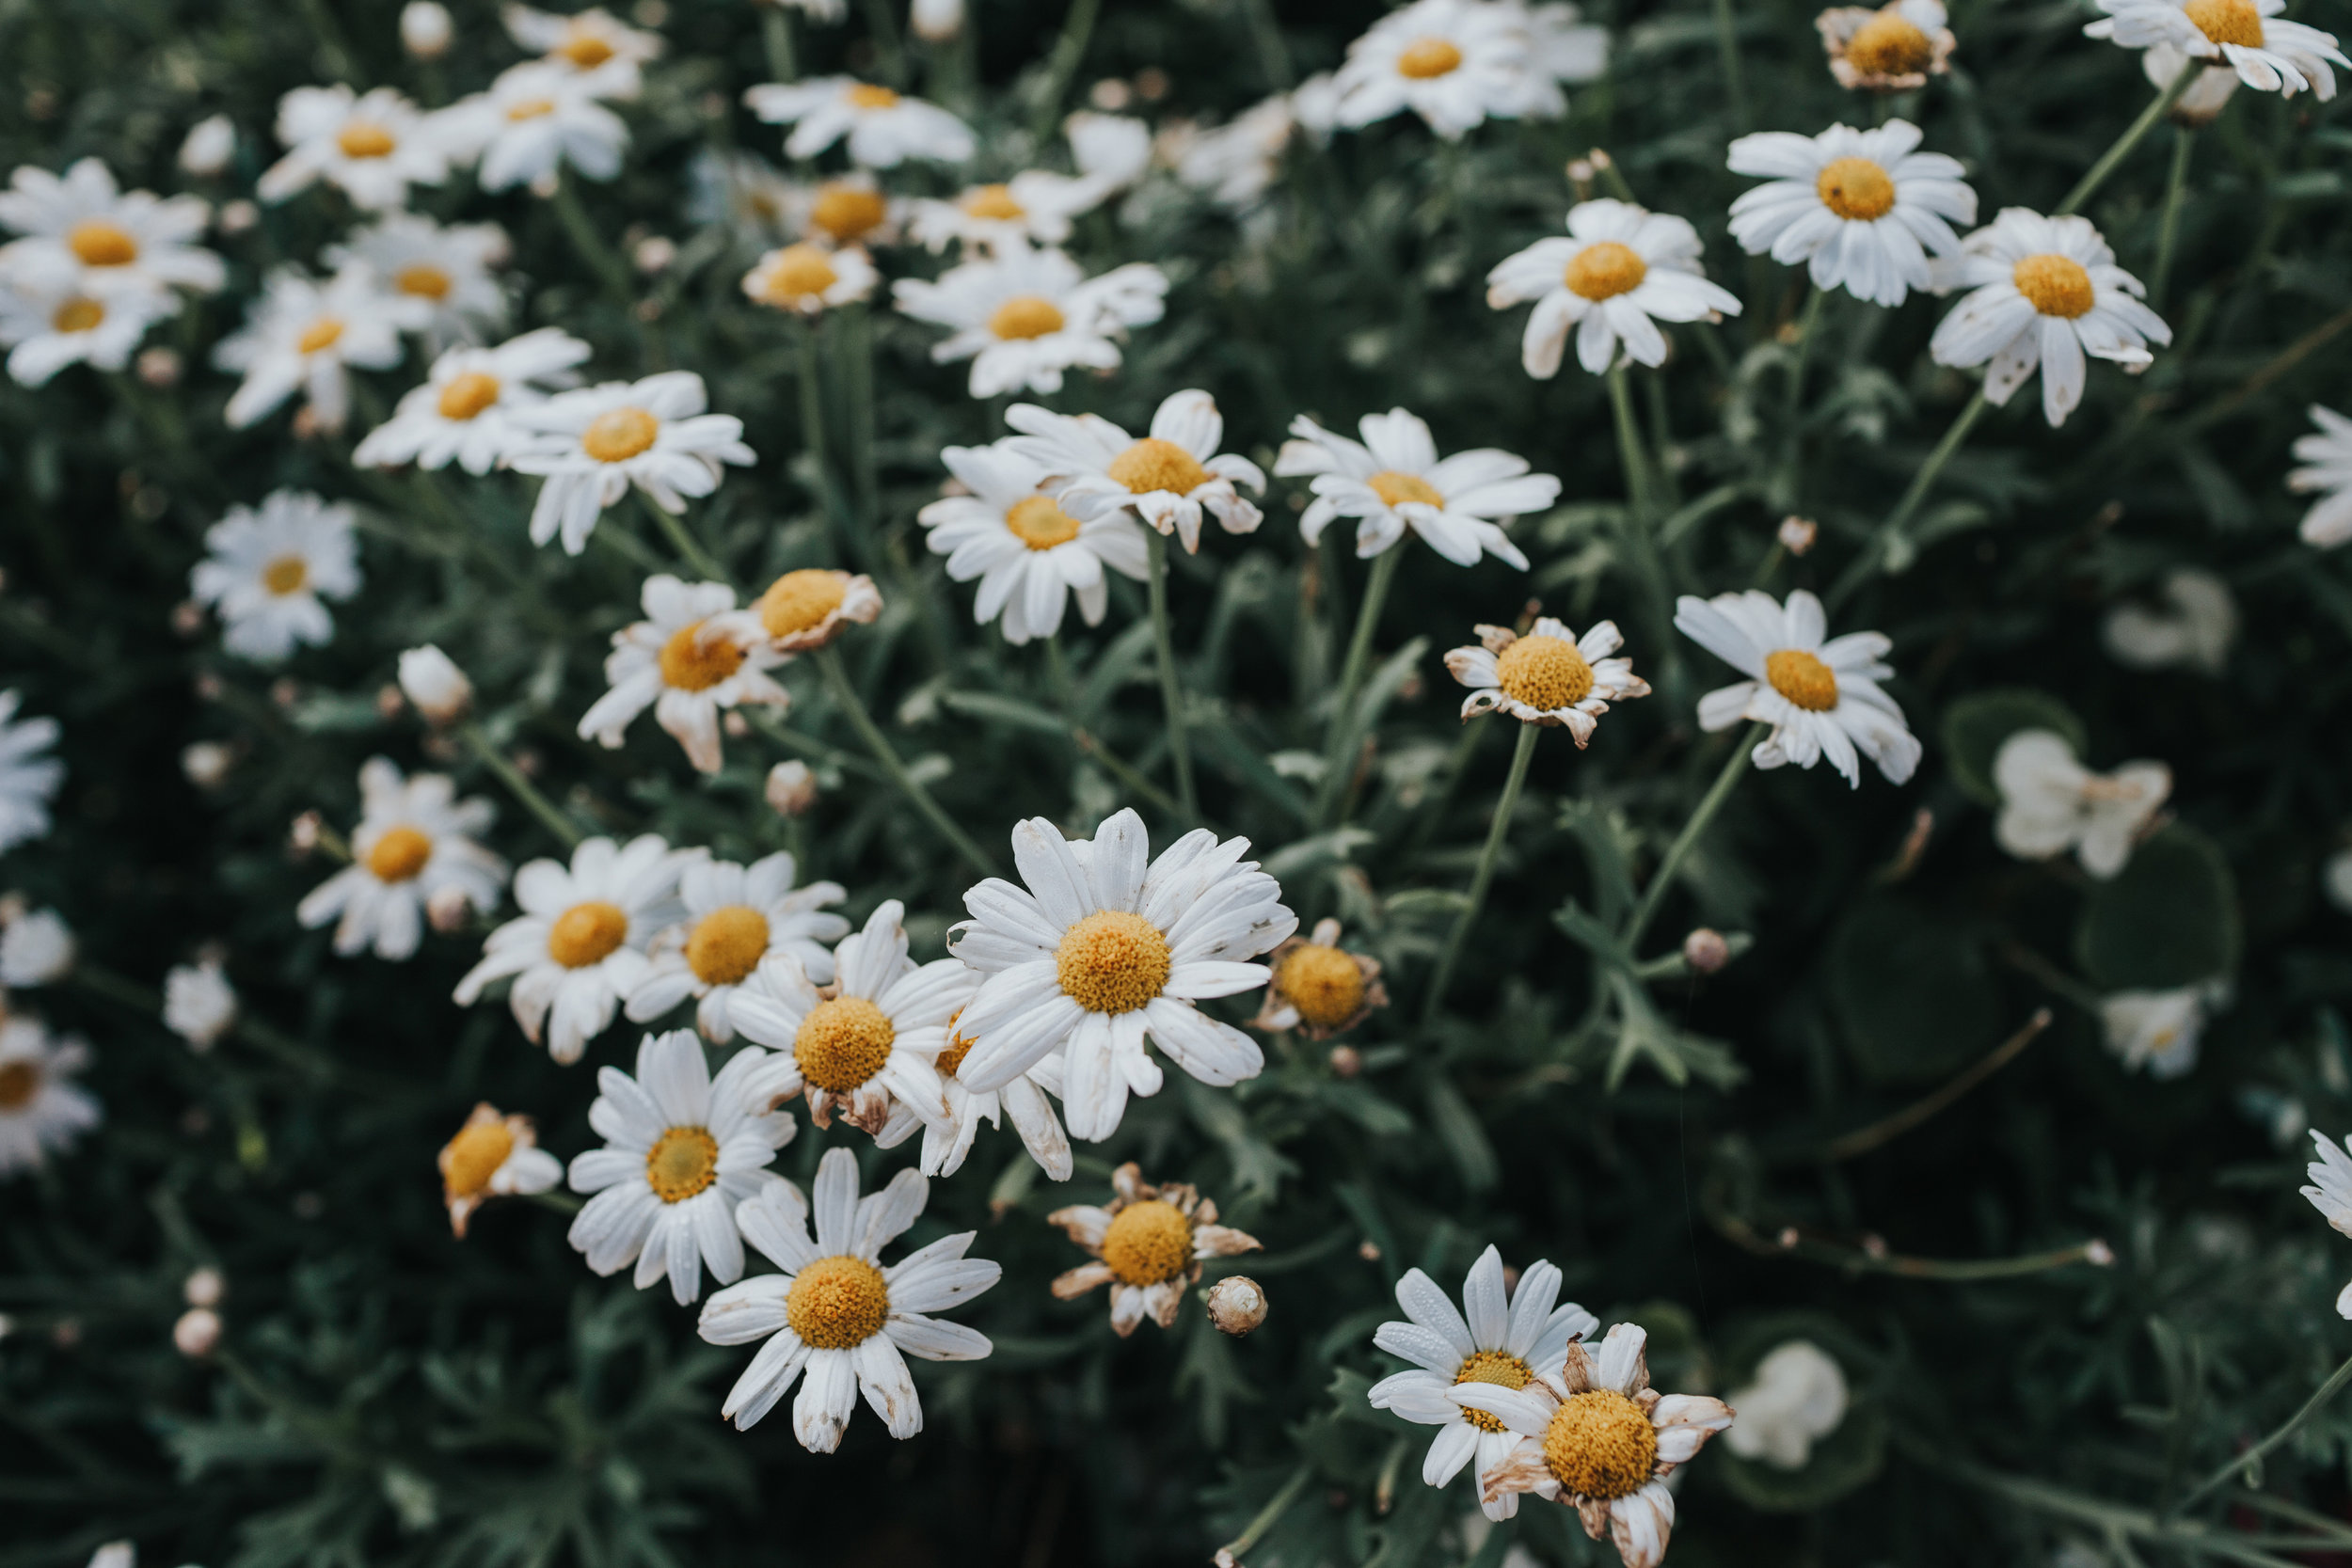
x: 1270, y: 1515
x: 1630, y: 453
x: 829, y: 496
x: 1077, y: 30
x: 524, y: 790
x: 1727, y: 46
x: 775, y: 31
x: 2239, y: 1463
x: 1088, y: 744
x: 1679, y: 850
x: 1484, y: 876
x: 837, y: 681
x: 853, y: 343
x: 1171, y: 691
x: 1867, y: 562
x: 689, y: 549
x: 2133, y: 135
x: 1339, y: 737
x: 2169, y: 229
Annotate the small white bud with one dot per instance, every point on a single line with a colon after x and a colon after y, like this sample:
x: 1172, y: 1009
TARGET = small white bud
x: 448, y: 908
x: 197, y: 1332
x: 1706, y: 951
x: 160, y: 368
x: 653, y: 253
x: 937, y: 21
x: 204, y: 1288
x: 210, y: 145
x: 1237, y: 1304
x: 35, y: 949
x: 791, y: 788
x: 199, y: 1005
x: 1797, y: 534
x: 238, y: 216
x: 425, y: 29
x: 206, y: 762
x: 431, y: 680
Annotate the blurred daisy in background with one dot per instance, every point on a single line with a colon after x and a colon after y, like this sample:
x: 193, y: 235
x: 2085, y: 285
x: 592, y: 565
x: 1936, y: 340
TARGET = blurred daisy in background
x: 37, y: 948
x: 2330, y: 1192
x: 809, y: 607
x: 1456, y: 63
x: 29, y: 780
x: 200, y: 1004
x: 1028, y: 554
x: 1864, y: 209
x: 1167, y: 478
x: 1148, y: 1247
x: 693, y: 656
x: 1820, y: 698
x: 848, y: 210
x: 1024, y: 316
x: 1550, y: 677
x: 370, y: 147
x: 1563, y: 45
x: 492, y: 1156
x: 533, y: 122
x: 305, y: 336
x: 1894, y: 48
x: 2160, y: 1030
x: 882, y: 127
x: 809, y: 279
x: 2269, y: 54
x: 447, y: 269
x: 1796, y: 1396
x: 1618, y: 272
x: 593, y: 444
x: 737, y: 917
x: 2192, y: 625
x: 98, y: 240
x: 604, y: 53
x: 267, y: 573
x: 43, y: 1111
x: 2325, y: 454
x: 1035, y: 207
x: 2051, y: 803
x: 48, y: 321
x: 466, y: 408
x: 745, y: 194
x: 1393, y: 483
x: 415, y: 839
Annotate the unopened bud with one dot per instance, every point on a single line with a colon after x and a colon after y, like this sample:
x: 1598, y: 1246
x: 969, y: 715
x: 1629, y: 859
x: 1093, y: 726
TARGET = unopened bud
x: 653, y: 253
x: 1706, y: 951
x: 238, y: 216
x: 2097, y: 1251
x: 206, y: 762
x: 432, y: 681
x: 1237, y: 1304
x: 448, y: 910
x: 304, y: 834
x: 389, y: 702
x: 735, y: 725
x: 936, y: 20
x: 197, y: 1332
x: 159, y: 368
x: 1368, y: 1250
x: 425, y: 29
x: 210, y: 145
x: 1347, y: 1061
x: 791, y: 788
x: 285, y: 691
x: 204, y: 1287
x: 1797, y: 534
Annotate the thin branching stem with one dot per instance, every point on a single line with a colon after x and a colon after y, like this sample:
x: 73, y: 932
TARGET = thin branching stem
x: 2112, y: 159
x: 1484, y: 876
x: 1679, y: 850
x: 534, y: 800
x: 844, y: 693
x: 1171, y: 690
x: 2249, y: 1463
x: 1339, y: 736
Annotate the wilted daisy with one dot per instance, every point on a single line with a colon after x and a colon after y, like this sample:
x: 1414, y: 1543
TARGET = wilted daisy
x: 865, y: 1046
x: 1319, y: 986
x: 446, y: 268
x: 692, y: 655
x: 415, y: 839
x: 2330, y: 1192
x: 2193, y: 623
x: 492, y: 1156
x: 533, y: 122
x: 1596, y: 1436
x: 1167, y: 478
x: 1618, y: 273
x: 2051, y: 803
x: 679, y: 1153
x: 43, y: 1111
x: 1028, y: 554
x: 199, y: 1005
x: 1024, y: 316
x: 2159, y: 1030
x: 1101, y: 951
x: 1550, y: 677
x: 100, y: 241
x: 1035, y: 207
x: 883, y: 128
x: 809, y: 279
x: 737, y: 918
x: 1455, y: 63
x: 1501, y: 1337
x: 1795, y: 1398
x: 1822, y: 698
x: 305, y: 336
x: 2045, y: 291
x: 2327, y: 458
x: 835, y: 1312
x: 593, y: 444
x: 29, y: 779
x: 466, y: 408
x: 1022, y: 1097
x: 372, y: 146
x: 2268, y: 54
x: 47, y: 322
x: 1148, y: 1247
x: 1863, y: 208
x: 266, y: 573
x: 808, y: 608
x: 1894, y: 48
x: 37, y: 948
x: 1393, y: 483
x: 580, y: 944
x: 603, y: 52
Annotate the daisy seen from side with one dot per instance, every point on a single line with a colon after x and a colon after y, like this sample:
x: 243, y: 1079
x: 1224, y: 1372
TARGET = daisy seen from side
x: 29, y: 778
x: 1822, y: 698
x: 2325, y: 454
x: 2330, y: 1192
x: 808, y: 608
x: 42, y: 1110
x: 591, y: 444
x: 1169, y: 477
x: 2269, y: 52
x: 737, y: 917
x: 372, y: 146
x: 1318, y: 986
x: 267, y: 572
x: 200, y: 1004
x: 492, y: 1156
x: 808, y: 280
x: 881, y: 128
x: 1024, y: 316
x: 1893, y: 48
x: 1616, y: 274
x: 1550, y: 677
x: 2160, y: 1030
x: 593, y: 46
x: 465, y: 409
x: 2051, y: 803
x: 1456, y: 63
x: 415, y: 839
x: 1393, y: 483
x: 100, y: 240
x: 1863, y: 210
x: 1028, y: 555
x: 1148, y: 1245
x: 306, y: 335
x: 692, y: 656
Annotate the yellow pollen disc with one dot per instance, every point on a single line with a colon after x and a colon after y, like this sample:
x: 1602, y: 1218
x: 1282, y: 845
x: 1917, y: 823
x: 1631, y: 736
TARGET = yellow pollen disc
x: 1112, y: 961
x: 1887, y: 45
x: 837, y: 1303
x: 320, y: 335
x: 1600, y: 1445
x: 1147, y: 1243
x: 1499, y: 1368
x: 800, y: 601
x: 78, y: 315
x: 842, y: 1043
x: 587, y: 933
x: 288, y: 574
x: 1802, y: 678
x: 1604, y: 270
x: 96, y: 242
x: 529, y: 108
x: 727, y: 944
x: 618, y: 434
x: 693, y: 662
x: 1856, y: 189
x: 1040, y: 523
x: 585, y: 50
x: 681, y: 1163
x: 400, y: 854
x: 1395, y: 489
x: 2228, y: 21
x: 19, y: 1082
x: 846, y: 212
x: 994, y: 202
x: 475, y: 1155
x: 799, y: 272
x: 865, y: 95
x: 468, y: 395
x: 2054, y: 285
x: 1026, y: 316
x: 1152, y: 464
x: 1425, y: 58
x: 363, y: 138
x: 958, y: 1048
x: 1545, y: 672
x: 1324, y: 984
x: 422, y: 280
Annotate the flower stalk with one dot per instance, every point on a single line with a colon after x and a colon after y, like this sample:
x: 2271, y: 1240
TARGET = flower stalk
x: 1171, y: 691
x: 844, y: 693
x: 1484, y: 876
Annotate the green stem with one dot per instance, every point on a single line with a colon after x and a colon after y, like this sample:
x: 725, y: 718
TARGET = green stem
x: 1077, y: 30
x: 775, y: 32
x: 1735, y: 82
x: 1091, y: 745
x: 854, y: 340
x: 2133, y: 135
x: 1171, y: 691
x: 2169, y: 227
x: 1875, y: 550
x: 1485, y: 875
x: 1274, y: 55
x: 1630, y: 453
x: 524, y: 790
x: 837, y: 681
x: 881, y: 26
x: 601, y: 258
x: 1679, y: 850
x: 1339, y: 737
x: 829, y: 496
x: 1268, y: 1515
x: 2254, y: 1456
x: 682, y: 540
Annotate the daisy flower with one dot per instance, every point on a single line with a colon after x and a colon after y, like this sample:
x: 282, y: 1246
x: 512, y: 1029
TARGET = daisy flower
x: 305, y: 336
x: 48, y: 321
x: 2327, y: 458
x: 862, y: 1047
x: 1028, y: 554
x: 199, y: 1005
x: 29, y: 780
x: 2159, y: 1030
x: 693, y: 655
x: 1501, y: 1337
x: 1618, y: 273
x: 1894, y: 48
x: 2330, y: 1192
x: 743, y: 192
x: 1550, y: 677
x: 738, y: 917
x: 1821, y: 699
x: 946, y: 1144
x: 1563, y: 45
x: 850, y: 210
x: 1394, y: 484
x: 1102, y: 950
x: 415, y: 839
x: 2207, y: 94
x: 1319, y: 986
x: 1863, y: 208
x: 1167, y: 478
x: 594, y: 47
x: 1796, y: 1396
x: 884, y: 129
x: 2269, y: 54
x: 534, y: 121
x: 835, y: 1312
x: 102, y: 240
x: 580, y: 944
x: 372, y: 146
x: 43, y: 1111
x: 1236, y: 163
x: 1456, y: 63
x: 266, y: 573
x: 446, y: 268
x: 1036, y: 206
x: 809, y: 279
x: 2193, y: 625
x: 1596, y: 1436
x: 466, y: 408
x: 2051, y: 803
x: 809, y: 607
x: 1148, y: 1247
x: 37, y: 948
x: 679, y: 1153
x: 493, y: 1156
x: 593, y: 444
x: 2044, y: 293
x: 1026, y: 316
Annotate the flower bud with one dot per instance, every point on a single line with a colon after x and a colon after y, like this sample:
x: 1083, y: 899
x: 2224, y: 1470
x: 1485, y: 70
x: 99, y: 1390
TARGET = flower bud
x: 432, y: 681
x: 448, y: 910
x: 1237, y: 1304
x: 1347, y: 1061
x: 304, y: 834
x: 653, y: 253
x: 1797, y: 534
x: 206, y: 762
x: 425, y: 29
x: 204, y: 1288
x: 936, y: 20
x: 238, y: 216
x: 791, y: 788
x: 210, y: 144
x: 197, y: 1332
x: 160, y: 368
x: 199, y: 1005
x: 36, y: 949
x: 1706, y: 951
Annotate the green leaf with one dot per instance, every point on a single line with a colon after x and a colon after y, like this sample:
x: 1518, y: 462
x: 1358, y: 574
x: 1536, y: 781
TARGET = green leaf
x: 1008, y: 710
x: 1977, y: 724
x: 1459, y: 1131
x: 2167, y: 919
x: 1912, y: 990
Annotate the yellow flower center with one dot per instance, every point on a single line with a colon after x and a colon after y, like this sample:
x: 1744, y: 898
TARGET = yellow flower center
x: 529, y: 108
x: 843, y: 1042
x: 2054, y: 285
x: 288, y: 574
x: 1040, y: 523
x: 727, y: 944
x: 681, y: 1163
x: 584, y: 50
x: 2228, y: 21
x: 800, y: 601
x: 1600, y: 1445
x: 422, y: 280
x: 1026, y: 316
x: 693, y: 662
x: 1147, y: 1243
x: 837, y: 1303
x: 1395, y: 489
x: 587, y: 933
x: 994, y: 202
x: 1499, y: 1368
x: 467, y: 395
x: 799, y: 272
x: 1112, y: 961
x: 1802, y: 678
x: 1887, y: 45
x: 846, y: 212
x: 78, y: 315
x: 866, y: 95
x: 96, y: 242
x: 400, y: 854
x: 475, y: 1155
x: 1856, y: 189
x: 957, y: 1049
x: 19, y: 1081
x: 1425, y: 58
x: 1152, y: 464
x: 320, y: 335
x: 1545, y: 672
x: 364, y: 138
x: 1324, y: 984
x: 1605, y: 269
x: 618, y: 434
